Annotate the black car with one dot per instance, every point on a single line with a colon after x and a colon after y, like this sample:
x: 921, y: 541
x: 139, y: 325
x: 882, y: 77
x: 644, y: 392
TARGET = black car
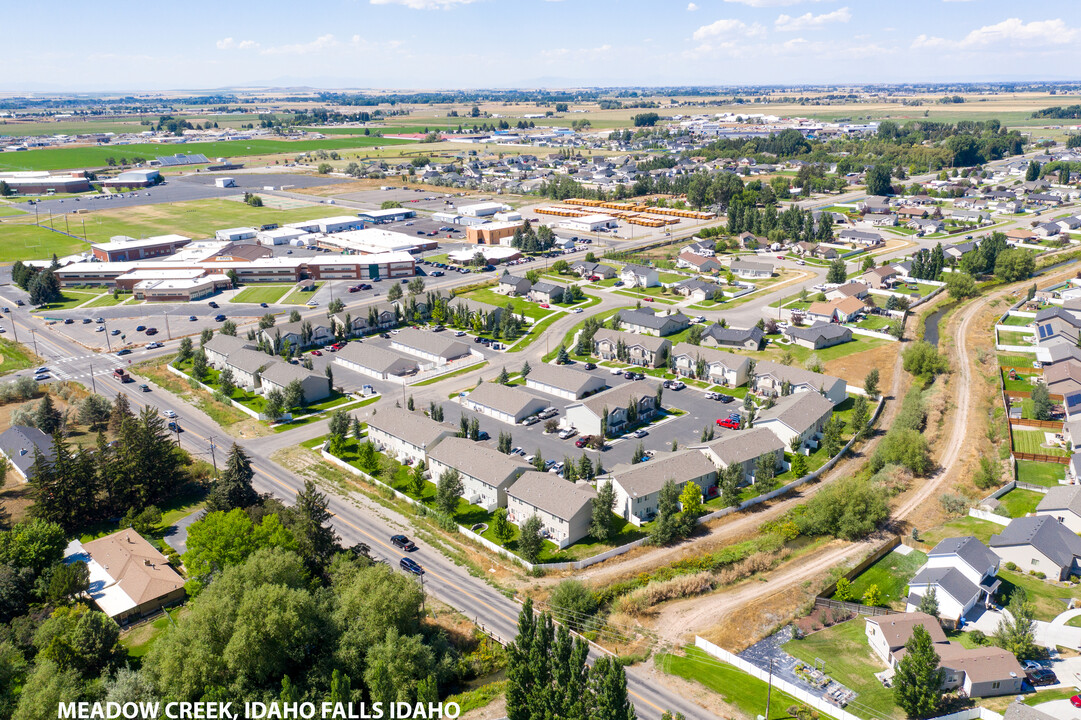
x: 725, y: 398
x: 411, y: 566
x: 483, y: 435
x: 174, y: 426
x: 213, y: 304
x: 666, y: 384
x: 263, y: 305
x: 87, y: 321
x: 219, y: 318
x: 477, y: 339
x: 591, y: 366
x: 384, y: 336
x: 639, y: 376
x: 1042, y: 677
x: 68, y: 321
x: 125, y: 351
x: 151, y: 331
x: 144, y: 387
x: 629, y: 375
x: 403, y: 543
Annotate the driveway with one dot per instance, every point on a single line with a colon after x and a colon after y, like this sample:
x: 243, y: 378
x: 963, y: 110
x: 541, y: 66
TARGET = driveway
x: 176, y: 535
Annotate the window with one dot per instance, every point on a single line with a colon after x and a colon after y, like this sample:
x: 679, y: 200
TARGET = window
x: 994, y: 685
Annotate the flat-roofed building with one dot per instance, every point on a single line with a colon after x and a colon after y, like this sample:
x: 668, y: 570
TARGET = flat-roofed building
x: 491, y: 233
x: 125, y: 249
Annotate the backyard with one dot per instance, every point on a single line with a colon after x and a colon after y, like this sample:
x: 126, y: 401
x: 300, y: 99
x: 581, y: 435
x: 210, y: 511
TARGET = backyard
x: 521, y: 307
x: 1040, y: 473
x: 1020, y: 502
x: 1048, y: 600
x: 1035, y: 443
x: 891, y: 574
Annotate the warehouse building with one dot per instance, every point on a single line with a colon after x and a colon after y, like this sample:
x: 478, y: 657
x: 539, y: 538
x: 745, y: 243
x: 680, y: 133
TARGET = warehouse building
x: 41, y: 183
x: 338, y: 223
x: 234, y: 234
x: 281, y: 236
x: 589, y: 223
x: 483, y: 209
x: 564, y: 382
x: 492, y: 233
x: 386, y: 215
x: 135, y: 178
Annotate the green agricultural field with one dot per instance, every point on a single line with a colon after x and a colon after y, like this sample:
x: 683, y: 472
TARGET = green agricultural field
x: 31, y: 242
x: 262, y: 293
x: 891, y: 574
x: 80, y: 157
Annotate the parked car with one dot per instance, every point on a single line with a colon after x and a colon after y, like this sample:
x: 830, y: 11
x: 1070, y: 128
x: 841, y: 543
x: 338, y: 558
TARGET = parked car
x: 154, y: 345
x: 638, y: 376
x: 100, y: 328
x: 175, y: 427
x: 263, y: 305
x: 403, y: 543
x: 639, y: 433
x: 1042, y: 677
x: 219, y: 318
x: 124, y: 351
x: 531, y: 420
x: 411, y: 566
x: 483, y: 435
x: 114, y: 332
x: 87, y: 321
x: 616, y: 371
x: 725, y: 398
x: 317, y: 353
x: 582, y: 441
x: 192, y: 318
x: 728, y: 423
x: 41, y: 376
x: 567, y: 433
x: 517, y: 451
x: 1076, y: 701
x: 99, y: 320
x: 711, y: 396
x: 628, y: 375
x: 678, y: 385
x: 1031, y: 665
x: 590, y: 366
x: 169, y: 413
x: 151, y: 331
x: 144, y: 387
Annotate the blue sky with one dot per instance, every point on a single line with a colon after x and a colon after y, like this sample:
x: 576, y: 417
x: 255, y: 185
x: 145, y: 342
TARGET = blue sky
x: 427, y: 44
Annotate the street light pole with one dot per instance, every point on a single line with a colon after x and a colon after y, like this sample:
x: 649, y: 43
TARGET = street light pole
x: 93, y: 384
x: 35, y: 338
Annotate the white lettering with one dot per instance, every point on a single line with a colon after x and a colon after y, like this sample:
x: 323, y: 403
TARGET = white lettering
x: 68, y: 710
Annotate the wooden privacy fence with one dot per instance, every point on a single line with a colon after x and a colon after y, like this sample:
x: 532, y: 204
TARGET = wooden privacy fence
x: 871, y: 610
x: 885, y: 549
x: 1041, y: 458
x: 1056, y: 424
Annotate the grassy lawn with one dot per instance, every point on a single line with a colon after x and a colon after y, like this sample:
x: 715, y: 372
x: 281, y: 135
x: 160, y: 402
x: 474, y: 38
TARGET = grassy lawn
x: 262, y: 293
x: 107, y: 300
x: 535, y: 331
x: 665, y: 277
x: 139, y: 640
x: 70, y: 299
x: 1040, y: 473
x: 298, y: 297
x: 308, y: 419
x: 1017, y: 320
x: 1015, y: 338
x: 981, y: 529
x: 1020, y: 502
x: 1047, y: 600
x: 437, y: 378
x: 850, y: 661
x: 568, y: 339
x: 874, y: 322
x: 1017, y: 361
x: 221, y: 413
x: 14, y: 356
x: 800, y: 354
x: 1074, y: 621
x: 734, y: 686
x: 1020, y: 384
x: 30, y: 242
x: 1031, y: 441
x: 891, y: 574
x: 654, y: 293
x: 521, y: 307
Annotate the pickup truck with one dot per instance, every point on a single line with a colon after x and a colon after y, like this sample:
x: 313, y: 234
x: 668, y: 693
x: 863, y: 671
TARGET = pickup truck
x: 122, y: 375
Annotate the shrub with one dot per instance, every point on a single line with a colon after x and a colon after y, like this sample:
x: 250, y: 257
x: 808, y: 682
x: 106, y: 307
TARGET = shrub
x: 954, y: 504
x: 573, y: 603
x: 1011, y: 566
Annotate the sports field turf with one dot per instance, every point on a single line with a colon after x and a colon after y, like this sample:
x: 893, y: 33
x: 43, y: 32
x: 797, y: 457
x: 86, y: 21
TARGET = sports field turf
x: 262, y: 294
x: 30, y: 242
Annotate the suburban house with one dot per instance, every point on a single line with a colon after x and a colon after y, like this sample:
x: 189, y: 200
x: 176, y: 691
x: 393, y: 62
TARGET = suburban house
x: 506, y: 404
x: 751, y: 338
x: 406, y: 435
x: 801, y: 415
x: 513, y: 284
x: 217, y: 349
x: 879, y: 220
x: 848, y: 309
x: 698, y: 290
x: 546, y: 292
x: 586, y: 415
x: 820, y: 312
x: 879, y: 278
x: 770, y: 378
x: 743, y: 448
x: 860, y: 237
x: 1039, y: 543
x: 750, y: 270
x: 979, y: 672
x: 564, y: 508
x: 1063, y: 378
x: 962, y: 572
x: 278, y: 375
x: 1063, y: 503
x: 563, y: 381
x: 647, y: 321
x: 721, y: 367
x: 591, y: 269
x: 434, y: 347
x: 642, y: 350
x: 1054, y: 321
x: 848, y: 290
x: 18, y: 444
x: 639, y: 276
x: 246, y: 365
x: 377, y: 362
x: 820, y: 335
x: 638, y: 487
x: 129, y: 578
x: 697, y: 262
x: 485, y: 472
x: 926, y: 225
x: 701, y: 247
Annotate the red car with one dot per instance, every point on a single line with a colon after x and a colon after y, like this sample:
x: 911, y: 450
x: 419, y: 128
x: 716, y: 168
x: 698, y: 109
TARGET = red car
x: 649, y: 299
x: 338, y: 346
x: 320, y: 353
x: 594, y: 278
x: 545, y: 305
x: 581, y: 442
x: 728, y: 423
x: 1076, y: 701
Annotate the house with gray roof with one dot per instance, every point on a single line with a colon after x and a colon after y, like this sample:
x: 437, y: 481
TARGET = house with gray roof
x: 246, y: 365
x: 962, y: 572
x: 564, y: 381
x: 799, y: 415
x: 744, y: 448
x: 638, y: 487
x: 513, y: 284
x: 639, y: 276
x: 648, y: 321
x: 217, y: 349
x: 405, y: 435
x: 770, y: 378
x: 279, y: 375
x: 300, y: 334
x: 719, y: 366
x: 698, y: 289
x: 956, y: 594
x: 375, y: 361
x: 1063, y: 503
x: 585, y: 268
x: 1039, y: 543
x: 546, y: 292
x: 564, y: 508
x: 437, y: 348
x: 505, y: 404
x: 751, y: 270
x: 18, y: 444
x: 486, y: 473
x: 751, y: 338
x: 820, y: 335
x: 586, y: 415
x: 641, y: 350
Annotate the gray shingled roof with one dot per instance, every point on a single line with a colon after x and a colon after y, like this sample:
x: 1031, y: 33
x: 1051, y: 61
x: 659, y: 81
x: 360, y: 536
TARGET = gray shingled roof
x: 798, y: 411
x: 733, y: 335
x: 502, y: 398
x: 969, y: 549
x: 647, y: 317
x: 739, y: 446
x: 249, y: 361
x: 824, y: 330
x: 712, y: 355
x: 478, y: 461
x: 951, y: 581
x: 225, y: 344
x: 546, y: 287
x: 440, y: 344
x: 1045, y: 534
x: 552, y: 494
x: 795, y: 375
x: 282, y: 373
x: 412, y: 427
x: 647, y: 478
x: 620, y: 396
x: 651, y: 343
x: 376, y: 358
x: 1062, y: 497
x: 562, y: 377
x: 745, y: 265
x: 18, y: 443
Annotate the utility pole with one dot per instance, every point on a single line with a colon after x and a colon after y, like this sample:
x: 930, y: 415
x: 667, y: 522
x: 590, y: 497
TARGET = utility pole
x: 168, y: 333
x: 35, y: 337
x: 108, y: 343
x: 93, y: 384
x: 769, y: 689
x: 213, y: 458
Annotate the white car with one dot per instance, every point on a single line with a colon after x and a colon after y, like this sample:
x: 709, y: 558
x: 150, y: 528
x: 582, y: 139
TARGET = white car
x: 100, y: 328
x: 576, y: 310
x: 395, y: 332
x: 616, y: 371
x: 460, y: 333
x: 639, y: 433
x: 517, y: 451
x: 567, y: 433
x: 169, y: 413
x: 311, y: 303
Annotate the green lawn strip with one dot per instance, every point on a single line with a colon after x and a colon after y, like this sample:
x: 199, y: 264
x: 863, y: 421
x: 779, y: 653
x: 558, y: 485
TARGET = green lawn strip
x: 850, y: 661
x: 438, y: 378
x: 1017, y: 320
x: 665, y: 277
x: 478, y: 697
x: 16, y: 357
x: 300, y: 297
x: 568, y: 339
x: 891, y: 574
x: 262, y: 293
x: 1032, y: 441
x: 1043, y: 696
x: 1048, y: 600
x: 69, y: 299
x: 959, y: 527
x: 649, y: 292
x: 521, y: 307
x: 1074, y: 621
x: 733, y: 685
x: 1020, y: 502
x: 1015, y: 338
x: 1018, y: 361
x: 107, y: 300
x: 8, y: 211
x: 22, y: 241
x: 962, y: 638
x: 535, y: 331
x: 800, y: 353
x: 308, y: 419
x: 589, y: 302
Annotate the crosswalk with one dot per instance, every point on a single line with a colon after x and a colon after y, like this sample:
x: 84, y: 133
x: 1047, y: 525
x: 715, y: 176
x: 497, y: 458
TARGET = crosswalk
x: 80, y: 366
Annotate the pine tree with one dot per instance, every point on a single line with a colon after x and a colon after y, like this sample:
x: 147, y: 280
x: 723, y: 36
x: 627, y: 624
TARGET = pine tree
x: 316, y: 541
x: 47, y: 418
x: 233, y: 488
x: 917, y: 684
x: 929, y: 603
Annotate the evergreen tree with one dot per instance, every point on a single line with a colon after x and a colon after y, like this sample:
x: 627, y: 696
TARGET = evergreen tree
x: 47, y: 418
x: 666, y: 526
x: 917, y: 684
x: 530, y: 541
x: 233, y: 488
x: 929, y: 603
x: 316, y: 540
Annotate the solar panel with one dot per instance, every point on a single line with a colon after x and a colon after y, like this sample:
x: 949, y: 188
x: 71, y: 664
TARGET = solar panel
x: 179, y: 159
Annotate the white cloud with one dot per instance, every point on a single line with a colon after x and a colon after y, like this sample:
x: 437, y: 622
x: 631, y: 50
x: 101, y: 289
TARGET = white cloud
x: 321, y: 43
x: 423, y: 4
x: 729, y: 26
x: 770, y: 3
x: 1016, y: 32
x: 691, y: 7
x: 929, y: 41
x: 808, y: 20
x: 231, y: 44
